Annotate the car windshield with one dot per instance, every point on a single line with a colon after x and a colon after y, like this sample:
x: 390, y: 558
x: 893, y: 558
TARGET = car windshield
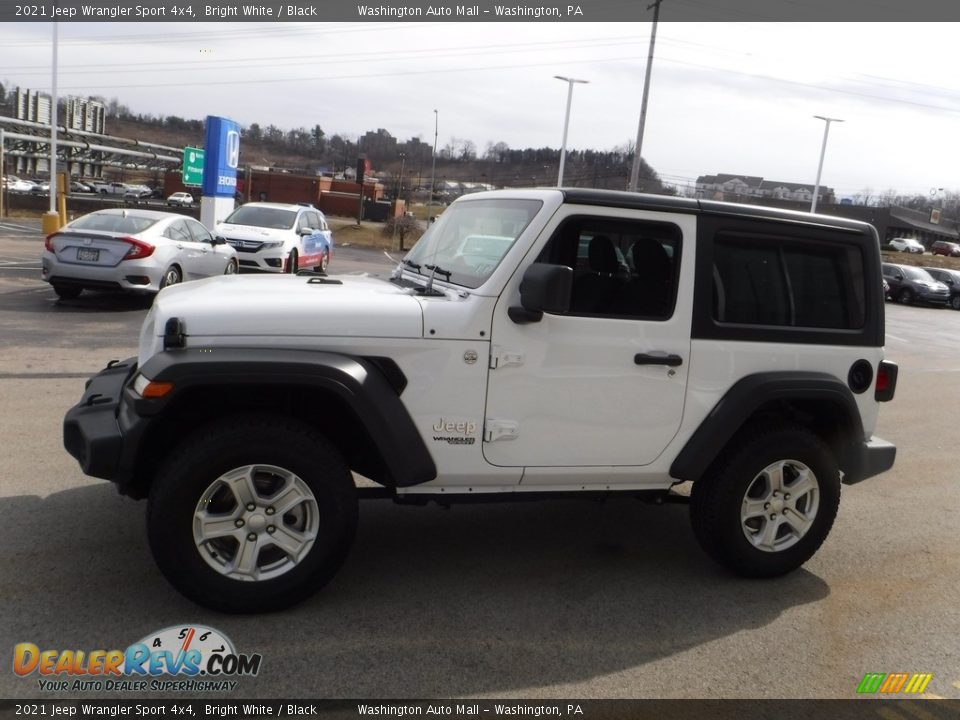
x: 914, y: 273
x: 113, y: 222
x: 266, y: 217
x: 469, y: 240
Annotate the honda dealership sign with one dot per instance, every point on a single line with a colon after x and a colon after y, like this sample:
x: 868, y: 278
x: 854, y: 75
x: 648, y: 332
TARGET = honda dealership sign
x: 222, y: 148
x: 222, y: 156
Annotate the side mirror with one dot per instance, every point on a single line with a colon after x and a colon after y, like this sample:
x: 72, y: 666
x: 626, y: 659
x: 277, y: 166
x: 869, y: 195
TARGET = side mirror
x: 303, y: 232
x: 218, y: 240
x: 544, y: 288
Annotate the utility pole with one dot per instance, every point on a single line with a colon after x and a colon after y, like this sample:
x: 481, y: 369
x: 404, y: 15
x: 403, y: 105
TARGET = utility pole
x: 433, y: 169
x: 635, y: 171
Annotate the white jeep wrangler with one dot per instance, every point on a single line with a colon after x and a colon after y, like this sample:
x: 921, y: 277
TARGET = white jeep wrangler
x: 533, y: 342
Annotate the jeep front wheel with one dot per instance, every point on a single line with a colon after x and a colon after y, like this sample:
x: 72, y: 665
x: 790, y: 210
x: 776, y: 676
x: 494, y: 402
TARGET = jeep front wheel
x: 765, y: 507
x: 252, y: 514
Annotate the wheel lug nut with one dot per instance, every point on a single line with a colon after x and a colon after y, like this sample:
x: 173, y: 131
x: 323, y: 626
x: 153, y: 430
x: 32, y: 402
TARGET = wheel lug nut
x: 252, y: 537
x: 251, y: 507
x: 773, y: 517
x: 787, y: 496
x: 270, y: 511
x: 271, y: 529
x: 766, y: 506
x: 238, y: 522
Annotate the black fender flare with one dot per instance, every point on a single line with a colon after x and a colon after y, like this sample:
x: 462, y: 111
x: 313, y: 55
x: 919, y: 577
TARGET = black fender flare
x: 751, y: 393
x: 371, y: 388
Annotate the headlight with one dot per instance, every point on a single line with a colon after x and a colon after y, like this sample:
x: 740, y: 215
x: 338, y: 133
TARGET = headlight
x: 271, y: 245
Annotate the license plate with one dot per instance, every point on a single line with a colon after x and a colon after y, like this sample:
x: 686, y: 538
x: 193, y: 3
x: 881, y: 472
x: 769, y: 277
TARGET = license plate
x: 88, y: 254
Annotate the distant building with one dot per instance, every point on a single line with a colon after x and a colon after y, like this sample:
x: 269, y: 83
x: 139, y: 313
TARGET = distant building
x: 733, y: 187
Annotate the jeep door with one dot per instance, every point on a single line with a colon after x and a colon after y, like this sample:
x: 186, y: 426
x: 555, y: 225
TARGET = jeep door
x: 602, y: 384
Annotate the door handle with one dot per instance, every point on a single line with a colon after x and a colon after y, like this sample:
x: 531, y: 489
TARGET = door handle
x: 668, y: 360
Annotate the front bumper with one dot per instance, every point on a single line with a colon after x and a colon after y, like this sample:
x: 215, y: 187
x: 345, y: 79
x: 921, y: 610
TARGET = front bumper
x: 93, y: 431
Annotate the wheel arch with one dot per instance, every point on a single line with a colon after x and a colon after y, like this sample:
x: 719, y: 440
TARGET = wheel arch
x: 818, y: 401
x: 355, y: 402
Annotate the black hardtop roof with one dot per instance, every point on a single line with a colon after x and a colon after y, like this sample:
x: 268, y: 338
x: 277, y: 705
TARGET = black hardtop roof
x: 643, y: 201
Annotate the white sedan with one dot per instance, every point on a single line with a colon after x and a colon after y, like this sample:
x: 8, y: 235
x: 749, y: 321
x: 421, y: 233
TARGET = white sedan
x: 180, y: 199
x: 139, y: 251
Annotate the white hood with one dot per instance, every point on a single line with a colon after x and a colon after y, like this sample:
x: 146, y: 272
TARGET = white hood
x: 288, y: 305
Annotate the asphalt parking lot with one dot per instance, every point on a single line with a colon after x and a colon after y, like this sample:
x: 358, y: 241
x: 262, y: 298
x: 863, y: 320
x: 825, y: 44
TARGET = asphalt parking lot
x: 565, y: 599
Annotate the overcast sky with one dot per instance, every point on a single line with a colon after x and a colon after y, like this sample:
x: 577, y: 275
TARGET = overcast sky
x: 725, y: 97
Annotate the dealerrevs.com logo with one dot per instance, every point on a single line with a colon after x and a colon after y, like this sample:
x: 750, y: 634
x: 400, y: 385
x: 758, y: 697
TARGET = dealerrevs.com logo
x: 180, y: 658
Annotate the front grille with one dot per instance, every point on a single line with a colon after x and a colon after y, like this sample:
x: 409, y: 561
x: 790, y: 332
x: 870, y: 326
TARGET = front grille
x: 247, y: 246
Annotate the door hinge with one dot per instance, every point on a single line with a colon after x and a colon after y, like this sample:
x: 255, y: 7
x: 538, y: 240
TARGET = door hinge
x: 500, y: 430
x: 502, y: 358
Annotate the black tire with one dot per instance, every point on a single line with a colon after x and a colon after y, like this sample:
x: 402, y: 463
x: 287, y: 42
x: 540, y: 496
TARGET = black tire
x: 719, y: 500
x: 231, y: 268
x: 955, y: 302
x: 197, y: 465
x: 324, y: 262
x: 292, y: 262
x: 172, y: 276
x: 905, y: 296
x: 67, y: 292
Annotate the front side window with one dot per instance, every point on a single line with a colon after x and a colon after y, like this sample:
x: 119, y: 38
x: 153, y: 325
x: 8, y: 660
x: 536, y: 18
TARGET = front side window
x: 466, y: 244
x: 621, y: 268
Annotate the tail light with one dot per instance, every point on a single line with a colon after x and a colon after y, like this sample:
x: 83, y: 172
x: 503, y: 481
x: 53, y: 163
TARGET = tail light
x: 48, y: 243
x: 886, y: 381
x: 138, y: 249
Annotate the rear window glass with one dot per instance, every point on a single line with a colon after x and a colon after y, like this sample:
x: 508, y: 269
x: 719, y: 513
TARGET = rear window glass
x: 128, y: 223
x: 266, y: 217
x: 772, y: 281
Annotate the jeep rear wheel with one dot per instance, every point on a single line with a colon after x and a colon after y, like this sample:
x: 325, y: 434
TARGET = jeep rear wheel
x: 252, y: 514
x: 765, y: 507
x: 906, y: 296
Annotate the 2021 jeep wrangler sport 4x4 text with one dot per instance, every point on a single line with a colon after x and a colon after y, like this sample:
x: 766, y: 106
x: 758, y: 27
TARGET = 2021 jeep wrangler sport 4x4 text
x: 532, y: 342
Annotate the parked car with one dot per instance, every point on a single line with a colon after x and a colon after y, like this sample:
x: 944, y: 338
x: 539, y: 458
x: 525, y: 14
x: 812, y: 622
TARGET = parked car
x: 134, y: 250
x: 907, y: 245
x: 278, y: 237
x: 886, y: 289
x: 910, y: 284
x: 945, y: 247
x: 40, y: 187
x: 79, y: 187
x: 950, y: 278
x: 15, y: 184
x: 180, y: 199
x: 137, y: 194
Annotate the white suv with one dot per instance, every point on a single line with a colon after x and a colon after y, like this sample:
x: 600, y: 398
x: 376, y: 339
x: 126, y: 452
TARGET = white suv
x: 909, y: 245
x: 278, y: 237
x: 533, y: 344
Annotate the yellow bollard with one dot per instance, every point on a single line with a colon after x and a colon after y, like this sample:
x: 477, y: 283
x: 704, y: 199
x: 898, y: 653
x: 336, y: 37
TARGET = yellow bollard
x: 50, y: 222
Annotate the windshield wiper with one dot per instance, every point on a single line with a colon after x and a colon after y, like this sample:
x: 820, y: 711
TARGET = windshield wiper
x: 434, y: 271
x: 412, y: 264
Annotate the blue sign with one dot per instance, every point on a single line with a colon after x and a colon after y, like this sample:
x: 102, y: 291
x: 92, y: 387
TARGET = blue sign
x: 222, y: 147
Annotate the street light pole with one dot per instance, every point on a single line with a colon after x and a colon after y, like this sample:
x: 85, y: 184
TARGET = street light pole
x: 566, y: 122
x: 823, y: 150
x: 433, y: 169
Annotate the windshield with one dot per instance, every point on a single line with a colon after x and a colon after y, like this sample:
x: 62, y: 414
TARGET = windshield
x: 113, y: 222
x: 266, y: 217
x: 469, y: 240
x: 915, y: 273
